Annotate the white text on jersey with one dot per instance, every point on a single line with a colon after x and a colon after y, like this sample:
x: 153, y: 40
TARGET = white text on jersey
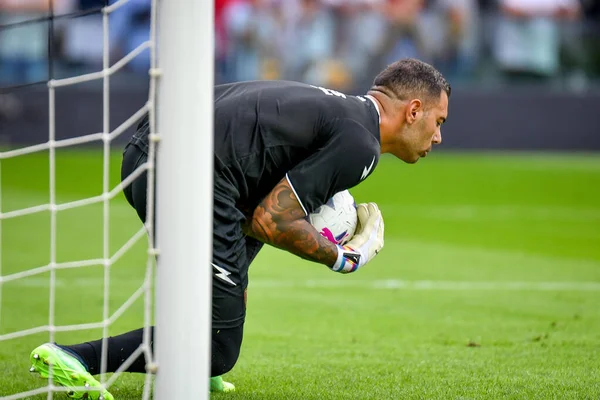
x: 330, y: 92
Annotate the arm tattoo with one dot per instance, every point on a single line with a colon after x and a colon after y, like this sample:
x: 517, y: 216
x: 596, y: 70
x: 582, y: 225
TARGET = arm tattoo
x: 279, y: 220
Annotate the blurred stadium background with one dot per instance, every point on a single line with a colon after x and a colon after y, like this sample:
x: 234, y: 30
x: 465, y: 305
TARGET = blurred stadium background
x: 512, y: 63
x: 489, y: 284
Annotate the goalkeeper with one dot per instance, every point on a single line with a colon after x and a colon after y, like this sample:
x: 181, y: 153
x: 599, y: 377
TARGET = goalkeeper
x: 281, y: 150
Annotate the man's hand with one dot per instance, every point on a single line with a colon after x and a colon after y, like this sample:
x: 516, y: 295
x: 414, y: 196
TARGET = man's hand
x: 279, y: 221
x: 366, y: 243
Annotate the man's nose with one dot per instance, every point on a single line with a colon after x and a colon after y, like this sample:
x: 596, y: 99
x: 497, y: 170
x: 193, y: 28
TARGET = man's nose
x: 437, y: 138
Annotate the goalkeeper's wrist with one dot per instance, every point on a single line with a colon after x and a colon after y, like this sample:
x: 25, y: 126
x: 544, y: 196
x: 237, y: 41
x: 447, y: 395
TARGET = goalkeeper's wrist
x: 347, y: 261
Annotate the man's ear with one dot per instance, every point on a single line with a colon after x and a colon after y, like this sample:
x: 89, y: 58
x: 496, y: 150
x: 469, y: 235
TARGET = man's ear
x: 413, y: 109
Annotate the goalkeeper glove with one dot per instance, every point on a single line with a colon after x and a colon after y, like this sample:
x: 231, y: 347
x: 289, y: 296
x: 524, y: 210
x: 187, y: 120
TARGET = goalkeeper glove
x: 366, y: 243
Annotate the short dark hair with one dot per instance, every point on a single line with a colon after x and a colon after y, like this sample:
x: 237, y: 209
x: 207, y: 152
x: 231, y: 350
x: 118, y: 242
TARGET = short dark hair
x: 411, y: 77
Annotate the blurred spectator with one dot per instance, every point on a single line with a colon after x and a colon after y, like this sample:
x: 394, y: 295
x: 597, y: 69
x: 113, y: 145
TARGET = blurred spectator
x: 333, y: 43
x: 453, y: 40
x: 83, y: 37
x: 403, y: 36
x: 308, y: 46
x: 23, y: 48
x: 527, y: 43
x: 130, y: 28
x: 247, y: 26
x: 220, y: 40
x: 360, y: 29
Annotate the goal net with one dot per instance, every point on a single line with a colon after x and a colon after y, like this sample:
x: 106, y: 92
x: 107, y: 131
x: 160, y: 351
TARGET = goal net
x: 47, y: 294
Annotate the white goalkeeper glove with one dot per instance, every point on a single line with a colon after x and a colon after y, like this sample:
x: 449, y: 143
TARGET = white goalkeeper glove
x: 366, y: 243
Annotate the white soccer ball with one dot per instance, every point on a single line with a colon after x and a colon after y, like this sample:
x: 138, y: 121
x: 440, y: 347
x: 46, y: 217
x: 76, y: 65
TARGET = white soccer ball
x: 336, y: 220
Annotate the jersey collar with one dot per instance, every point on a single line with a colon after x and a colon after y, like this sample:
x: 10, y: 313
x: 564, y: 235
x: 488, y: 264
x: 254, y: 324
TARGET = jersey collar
x: 368, y: 96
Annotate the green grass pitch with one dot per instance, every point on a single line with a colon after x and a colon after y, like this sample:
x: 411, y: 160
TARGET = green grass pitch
x: 488, y: 286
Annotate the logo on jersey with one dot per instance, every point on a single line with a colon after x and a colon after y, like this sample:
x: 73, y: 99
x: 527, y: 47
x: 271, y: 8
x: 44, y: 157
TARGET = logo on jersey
x: 223, y: 274
x: 367, y: 170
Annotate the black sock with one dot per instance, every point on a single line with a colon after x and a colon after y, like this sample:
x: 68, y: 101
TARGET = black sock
x: 119, y: 349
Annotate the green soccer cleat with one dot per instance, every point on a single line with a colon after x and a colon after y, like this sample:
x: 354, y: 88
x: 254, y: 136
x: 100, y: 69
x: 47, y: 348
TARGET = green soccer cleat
x: 67, y: 371
x: 217, y: 384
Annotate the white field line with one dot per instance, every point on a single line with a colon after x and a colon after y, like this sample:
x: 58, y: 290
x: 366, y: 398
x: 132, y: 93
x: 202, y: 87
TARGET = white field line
x: 496, y: 212
x: 383, y: 284
x: 396, y: 284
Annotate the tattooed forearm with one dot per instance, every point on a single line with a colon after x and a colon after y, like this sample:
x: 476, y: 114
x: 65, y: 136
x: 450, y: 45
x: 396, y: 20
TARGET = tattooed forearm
x: 279, y: 220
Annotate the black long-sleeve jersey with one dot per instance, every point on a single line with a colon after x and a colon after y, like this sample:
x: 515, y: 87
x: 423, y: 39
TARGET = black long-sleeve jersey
x: 323, y: 141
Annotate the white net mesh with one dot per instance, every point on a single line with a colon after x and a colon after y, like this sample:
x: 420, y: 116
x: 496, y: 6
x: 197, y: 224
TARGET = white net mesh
x: 53, y: 207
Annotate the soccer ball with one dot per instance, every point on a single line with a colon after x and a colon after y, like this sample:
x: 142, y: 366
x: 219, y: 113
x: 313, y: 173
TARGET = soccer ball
x: 336, y: 220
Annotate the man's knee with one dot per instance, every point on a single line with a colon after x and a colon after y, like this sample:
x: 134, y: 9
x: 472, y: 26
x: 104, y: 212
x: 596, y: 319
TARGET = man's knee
x: 226, y: 344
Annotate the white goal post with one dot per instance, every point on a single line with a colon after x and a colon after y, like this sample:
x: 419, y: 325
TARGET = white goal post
x: 180, y: 108
x: 184, y: 76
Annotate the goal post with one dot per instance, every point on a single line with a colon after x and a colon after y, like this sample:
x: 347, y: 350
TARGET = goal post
x: 184, y: 74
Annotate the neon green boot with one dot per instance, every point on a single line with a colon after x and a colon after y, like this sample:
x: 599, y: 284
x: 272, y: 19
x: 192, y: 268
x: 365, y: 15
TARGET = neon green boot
x: 67, y: 371
x: 217, y: 384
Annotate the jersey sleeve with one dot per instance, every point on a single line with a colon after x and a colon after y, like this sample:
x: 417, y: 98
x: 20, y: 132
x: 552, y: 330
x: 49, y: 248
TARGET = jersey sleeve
x: 343, y: 161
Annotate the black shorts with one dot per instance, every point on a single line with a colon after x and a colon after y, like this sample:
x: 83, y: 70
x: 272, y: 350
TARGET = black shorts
x: 233, y: 251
